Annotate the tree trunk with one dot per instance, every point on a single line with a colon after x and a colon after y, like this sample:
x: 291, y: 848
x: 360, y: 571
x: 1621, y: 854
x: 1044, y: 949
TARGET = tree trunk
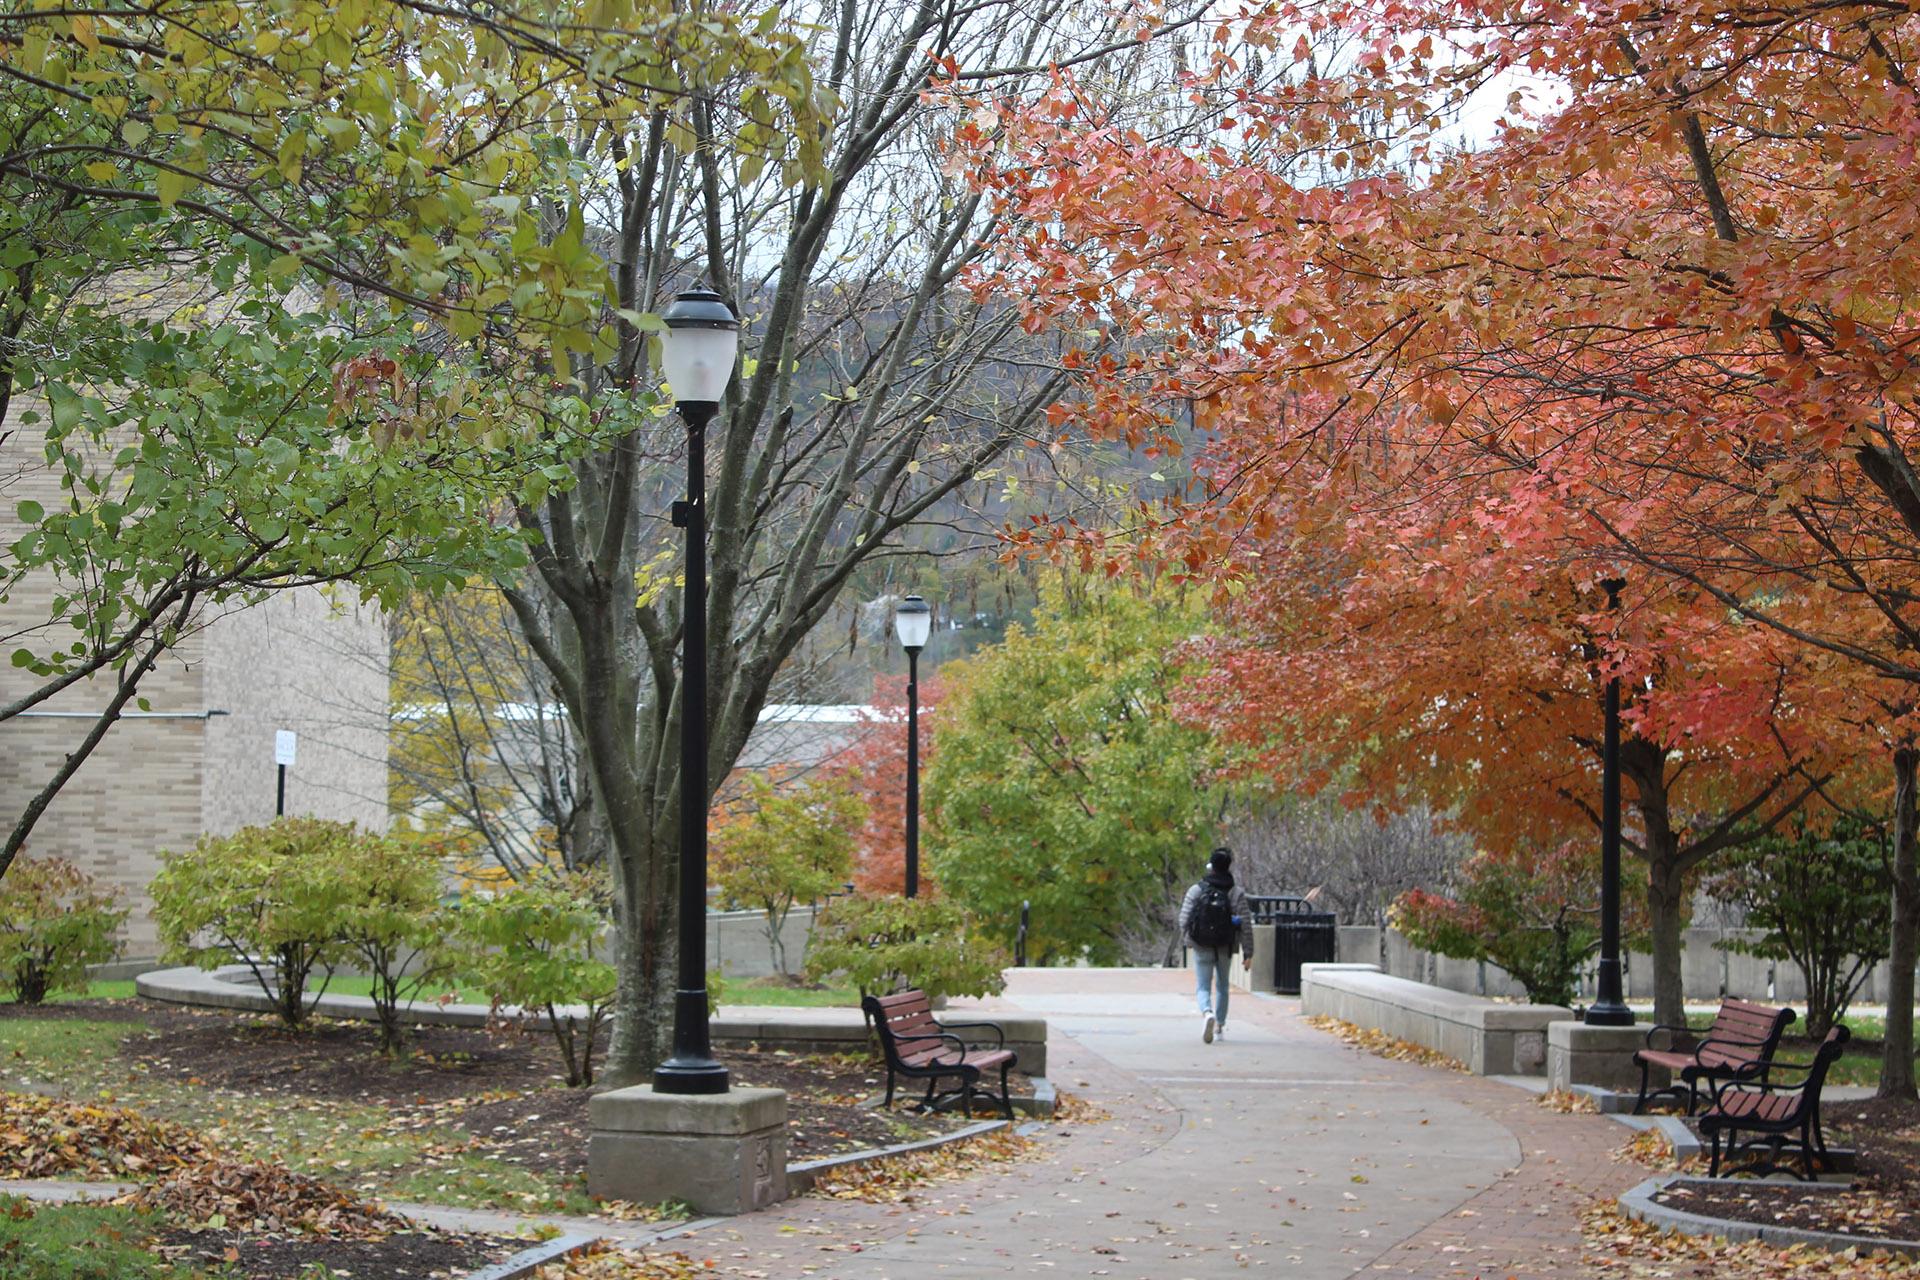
x: 1666, y: 907
x: 1896, y: 1061
x: 646, y: 949
x: 1644, y: 764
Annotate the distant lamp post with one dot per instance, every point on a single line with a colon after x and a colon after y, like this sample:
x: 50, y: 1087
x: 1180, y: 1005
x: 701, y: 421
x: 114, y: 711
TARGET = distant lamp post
x: 913, y: 623
x: 697, y: 354
x: 1609, y: 1009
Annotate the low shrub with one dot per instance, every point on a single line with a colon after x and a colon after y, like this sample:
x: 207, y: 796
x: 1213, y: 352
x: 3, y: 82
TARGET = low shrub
x: 270, y: 897
x: 55, y: 920
x: 391, y: 922
x: 536, y: 945
x: 888, y: 944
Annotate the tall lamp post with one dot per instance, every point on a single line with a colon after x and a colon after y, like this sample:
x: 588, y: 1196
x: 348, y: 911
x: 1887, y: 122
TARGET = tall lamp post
x: 697, y: 353
x: 1609, y: 1009
x: 913, y: 623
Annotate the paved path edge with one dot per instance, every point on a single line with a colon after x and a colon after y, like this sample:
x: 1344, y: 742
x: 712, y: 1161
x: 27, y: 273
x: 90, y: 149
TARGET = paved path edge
x: 1640, y: 1205
x: 801, y: 1177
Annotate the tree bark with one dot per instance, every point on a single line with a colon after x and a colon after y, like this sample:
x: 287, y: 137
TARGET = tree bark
x: 1896, y: 1060
x: 1666, y: 908
x: 1645, y: 765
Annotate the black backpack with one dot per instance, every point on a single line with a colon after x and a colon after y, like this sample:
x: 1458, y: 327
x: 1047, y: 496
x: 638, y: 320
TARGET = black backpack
x: 1211, y: 924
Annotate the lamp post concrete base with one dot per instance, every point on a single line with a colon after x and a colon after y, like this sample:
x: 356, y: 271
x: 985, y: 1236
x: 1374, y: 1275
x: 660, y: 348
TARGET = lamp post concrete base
x: 720, y: 1153
x: 1581, y: 1054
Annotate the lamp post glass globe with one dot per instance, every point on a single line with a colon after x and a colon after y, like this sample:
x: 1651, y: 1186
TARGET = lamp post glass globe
x: 697, y: 349
x: 913, y: 623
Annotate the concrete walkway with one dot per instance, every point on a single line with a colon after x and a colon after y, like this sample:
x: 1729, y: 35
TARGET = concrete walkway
x: 1278, y: 1148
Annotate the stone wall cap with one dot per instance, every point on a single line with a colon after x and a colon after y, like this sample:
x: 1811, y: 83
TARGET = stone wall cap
x: 1571, y: 1034
x: 1452, y: 1006
x: 639, y: 1109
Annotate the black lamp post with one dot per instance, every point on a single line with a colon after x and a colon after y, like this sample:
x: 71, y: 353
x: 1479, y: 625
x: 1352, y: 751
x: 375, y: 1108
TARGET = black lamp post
x: 913, y: 623
x: 697, y: 354
x: 1608, y: 1008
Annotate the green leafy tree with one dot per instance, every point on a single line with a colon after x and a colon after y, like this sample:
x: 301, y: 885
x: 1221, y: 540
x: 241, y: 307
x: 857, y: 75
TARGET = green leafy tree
x: 55, y: 920
x: 536, y: 944
x: 1063, y: 776
x: 1533, y: 912
x: 1821, y: 898
x: 270, y: 897
x: 882, y: 945
x: 777, y: 848
x: 391, y: 921
x: 294, y: 233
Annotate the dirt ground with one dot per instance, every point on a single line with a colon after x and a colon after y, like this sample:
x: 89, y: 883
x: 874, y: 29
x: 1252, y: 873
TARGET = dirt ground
x: 503, y: 1088
x: 418, y: 1255
x: 1884, y: 1202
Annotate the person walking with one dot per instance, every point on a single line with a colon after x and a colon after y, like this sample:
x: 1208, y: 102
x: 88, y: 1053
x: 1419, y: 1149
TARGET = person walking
x: 1215, y: 919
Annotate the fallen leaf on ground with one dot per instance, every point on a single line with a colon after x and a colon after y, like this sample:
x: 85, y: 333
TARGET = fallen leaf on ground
x: 1382, y: 1045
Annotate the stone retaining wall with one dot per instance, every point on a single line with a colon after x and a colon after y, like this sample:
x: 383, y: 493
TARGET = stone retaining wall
x: 1489, y: 1037
x: 1708, y: 972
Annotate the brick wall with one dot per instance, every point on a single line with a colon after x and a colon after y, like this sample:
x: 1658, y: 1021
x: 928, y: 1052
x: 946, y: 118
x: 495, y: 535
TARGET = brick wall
x: 304, y: 660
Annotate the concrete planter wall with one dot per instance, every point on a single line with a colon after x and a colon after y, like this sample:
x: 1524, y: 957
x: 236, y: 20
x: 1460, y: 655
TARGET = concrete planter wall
x: 1707, y: 972
x: 1490, y: 1038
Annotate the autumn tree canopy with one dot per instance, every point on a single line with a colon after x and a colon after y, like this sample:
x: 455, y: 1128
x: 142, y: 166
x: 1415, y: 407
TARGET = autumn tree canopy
x: 1654, y: 317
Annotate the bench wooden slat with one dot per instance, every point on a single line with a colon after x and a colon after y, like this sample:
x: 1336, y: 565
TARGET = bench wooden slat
x: 917, y: 1046
x: 1787, y: 1117
x: 1738, y: 1045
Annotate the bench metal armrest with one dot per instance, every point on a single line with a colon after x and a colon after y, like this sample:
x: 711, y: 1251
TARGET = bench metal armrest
x: 1674, y: 1045
x: 999, y: 1032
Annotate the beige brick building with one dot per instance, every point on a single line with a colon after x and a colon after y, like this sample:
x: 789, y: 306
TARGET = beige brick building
x: 201, y: 759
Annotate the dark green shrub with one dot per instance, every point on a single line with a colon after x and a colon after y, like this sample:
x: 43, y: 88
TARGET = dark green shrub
x: 890, y: 944
x: 1822, y: 897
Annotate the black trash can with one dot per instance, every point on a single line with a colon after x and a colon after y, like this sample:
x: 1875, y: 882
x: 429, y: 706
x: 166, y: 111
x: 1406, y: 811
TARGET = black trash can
x: 1301, y: 935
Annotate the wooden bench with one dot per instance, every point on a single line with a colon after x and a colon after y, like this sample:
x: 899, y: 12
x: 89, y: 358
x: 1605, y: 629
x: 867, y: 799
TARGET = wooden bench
x: 1736, y: 1047
x: 1785, y: 1116
x: 917, y: 1047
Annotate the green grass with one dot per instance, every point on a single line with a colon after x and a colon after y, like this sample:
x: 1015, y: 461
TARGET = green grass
x: 78, y: 1242
x: 352, y: 1144
x: 95, y: 991
x: 762, y: 991
x: 74, y: 1050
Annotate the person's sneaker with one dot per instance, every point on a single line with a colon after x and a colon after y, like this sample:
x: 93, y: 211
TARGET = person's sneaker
x: 1220, y: 1031
x: 1208, y: 1032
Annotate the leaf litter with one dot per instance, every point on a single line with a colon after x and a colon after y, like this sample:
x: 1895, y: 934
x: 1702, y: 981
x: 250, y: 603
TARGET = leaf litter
x: 1382, y: 1045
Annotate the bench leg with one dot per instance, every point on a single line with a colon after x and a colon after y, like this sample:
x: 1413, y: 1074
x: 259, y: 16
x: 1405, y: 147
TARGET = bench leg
x: 1006, y: 1098
x: 888, y: 1104
x: 1713, y: 1163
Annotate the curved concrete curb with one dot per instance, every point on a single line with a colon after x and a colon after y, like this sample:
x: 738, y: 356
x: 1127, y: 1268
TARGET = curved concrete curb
x: 800, y: 1029
x: 528, y: 1261
x: 801, y: 1177
x: 1640, y: 1205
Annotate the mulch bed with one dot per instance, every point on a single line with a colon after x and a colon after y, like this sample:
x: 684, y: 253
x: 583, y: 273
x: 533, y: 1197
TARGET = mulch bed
x: 502, y: 1088
x: 1884, y: 1202
x: 417, y: 1255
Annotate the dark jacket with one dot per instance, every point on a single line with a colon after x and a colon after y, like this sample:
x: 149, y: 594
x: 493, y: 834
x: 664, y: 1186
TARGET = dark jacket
x: 1241, y: 910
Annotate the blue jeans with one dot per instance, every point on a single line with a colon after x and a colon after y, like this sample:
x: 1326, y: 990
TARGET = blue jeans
x: 1213, y: 967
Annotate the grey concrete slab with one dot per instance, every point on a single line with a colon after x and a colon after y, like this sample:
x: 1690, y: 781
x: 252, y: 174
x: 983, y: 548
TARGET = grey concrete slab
x: 1279, y: 1147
